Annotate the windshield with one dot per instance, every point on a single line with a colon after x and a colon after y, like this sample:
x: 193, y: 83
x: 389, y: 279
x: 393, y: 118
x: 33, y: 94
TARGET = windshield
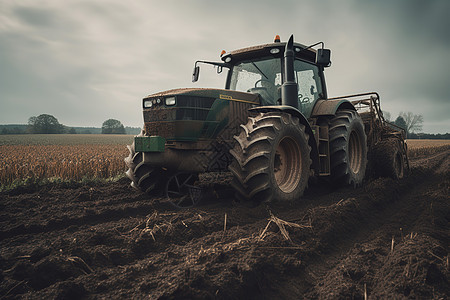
x: 261, y: 76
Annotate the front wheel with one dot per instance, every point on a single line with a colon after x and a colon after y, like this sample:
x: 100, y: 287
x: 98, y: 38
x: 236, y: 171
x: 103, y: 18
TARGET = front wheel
x: 144, y: 177
x: 271, y: 159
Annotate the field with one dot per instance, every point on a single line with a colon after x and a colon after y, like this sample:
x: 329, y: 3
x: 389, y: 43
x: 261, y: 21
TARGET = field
x: 93, y: 156
x: 414, y: 144
x: 387, y: 239
x: 417, y: 148
x: 66, y: 157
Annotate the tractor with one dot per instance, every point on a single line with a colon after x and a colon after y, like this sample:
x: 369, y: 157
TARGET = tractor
x: 272, y: 129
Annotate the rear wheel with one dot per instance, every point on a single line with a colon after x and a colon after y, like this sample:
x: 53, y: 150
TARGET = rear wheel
x: 388, y: 159
x: 271, y: 159
x: 348, y: 148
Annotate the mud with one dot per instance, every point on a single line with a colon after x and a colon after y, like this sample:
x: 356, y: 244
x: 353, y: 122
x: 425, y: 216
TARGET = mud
x: 386, y: 239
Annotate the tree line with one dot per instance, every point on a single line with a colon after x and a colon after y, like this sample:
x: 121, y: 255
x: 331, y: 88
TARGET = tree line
x: 48, y: 124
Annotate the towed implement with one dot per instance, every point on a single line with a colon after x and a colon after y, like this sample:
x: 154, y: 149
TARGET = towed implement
x: 272, y: 128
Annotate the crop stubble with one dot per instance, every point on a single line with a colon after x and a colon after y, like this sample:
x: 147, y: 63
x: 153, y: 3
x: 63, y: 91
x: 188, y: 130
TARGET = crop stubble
x: 68, y: 157
x: 74, y: 157
x: 387, y: 239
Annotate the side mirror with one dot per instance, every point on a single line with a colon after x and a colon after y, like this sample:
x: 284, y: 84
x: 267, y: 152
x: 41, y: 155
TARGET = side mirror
x: 323, y: 57
x: 195, y: 74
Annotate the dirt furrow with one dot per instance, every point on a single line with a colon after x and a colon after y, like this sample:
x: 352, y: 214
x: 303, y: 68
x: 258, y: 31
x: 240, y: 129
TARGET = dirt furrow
x: 385, y: 239
x: 360, y: 260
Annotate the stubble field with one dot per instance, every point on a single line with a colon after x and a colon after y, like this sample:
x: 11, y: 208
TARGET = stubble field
x: 386, y: 239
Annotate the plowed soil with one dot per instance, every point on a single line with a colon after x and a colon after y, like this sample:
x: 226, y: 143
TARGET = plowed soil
x: 387, y: 239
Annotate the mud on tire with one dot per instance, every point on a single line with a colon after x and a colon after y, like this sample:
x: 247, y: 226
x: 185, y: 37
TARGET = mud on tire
x: 348, y: 148
x: 143, y: 177
x: 271, y: 159
x: 388, y: 160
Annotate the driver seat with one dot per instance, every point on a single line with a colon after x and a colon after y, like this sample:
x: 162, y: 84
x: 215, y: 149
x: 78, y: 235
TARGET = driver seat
x: 266, y: 98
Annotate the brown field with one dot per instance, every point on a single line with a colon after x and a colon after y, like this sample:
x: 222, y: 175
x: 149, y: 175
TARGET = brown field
x: 68, y: 157
x: 387, y: 239
x: 76, y: 157
x: 413, y: 144
x: 418, y: 148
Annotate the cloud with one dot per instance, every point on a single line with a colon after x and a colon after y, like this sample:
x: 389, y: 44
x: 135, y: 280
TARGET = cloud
x: 88, y: 61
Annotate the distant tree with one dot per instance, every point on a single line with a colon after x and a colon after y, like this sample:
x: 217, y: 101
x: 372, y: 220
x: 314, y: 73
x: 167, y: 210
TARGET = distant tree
x: 413, y: 122
x: 113, y: 126
x: 44, y: 124
x: 72, y: 131
x: 400, y: 122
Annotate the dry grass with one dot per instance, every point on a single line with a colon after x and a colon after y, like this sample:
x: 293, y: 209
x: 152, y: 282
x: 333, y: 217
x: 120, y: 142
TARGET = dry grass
x: 417, y: 148
x: 59, y: 157
x: 75, y: 157
x: 414, y: 144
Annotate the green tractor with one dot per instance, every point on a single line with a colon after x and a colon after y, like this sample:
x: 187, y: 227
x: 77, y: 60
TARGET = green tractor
x: 272, y: 128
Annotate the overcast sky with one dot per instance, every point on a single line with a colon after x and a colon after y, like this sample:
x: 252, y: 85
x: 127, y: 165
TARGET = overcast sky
x: 88, y: 61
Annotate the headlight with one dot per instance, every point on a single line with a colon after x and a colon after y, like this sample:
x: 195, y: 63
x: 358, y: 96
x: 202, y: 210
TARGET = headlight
x: 148, y: 103
x: 170, y: 101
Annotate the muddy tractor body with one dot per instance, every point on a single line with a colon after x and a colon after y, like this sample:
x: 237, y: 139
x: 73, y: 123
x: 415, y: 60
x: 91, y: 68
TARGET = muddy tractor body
x: 271, y: 128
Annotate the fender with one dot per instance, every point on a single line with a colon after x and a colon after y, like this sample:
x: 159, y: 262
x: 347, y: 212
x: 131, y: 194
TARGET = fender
x: 330, y: 107
x: 295, y: 112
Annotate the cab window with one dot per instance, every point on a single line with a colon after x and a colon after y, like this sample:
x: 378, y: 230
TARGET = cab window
x: 309, y: 85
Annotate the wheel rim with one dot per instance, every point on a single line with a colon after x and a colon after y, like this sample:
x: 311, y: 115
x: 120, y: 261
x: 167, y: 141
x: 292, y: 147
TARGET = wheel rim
x: 181, y: 191
x: 287, y: 165
x: 354, y: 152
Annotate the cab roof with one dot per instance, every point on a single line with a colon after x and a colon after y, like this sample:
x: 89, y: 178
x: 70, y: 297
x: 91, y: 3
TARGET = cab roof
x: 265, y: 50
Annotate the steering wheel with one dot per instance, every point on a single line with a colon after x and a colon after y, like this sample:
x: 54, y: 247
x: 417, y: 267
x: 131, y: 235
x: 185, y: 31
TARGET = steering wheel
x: 265, y: 80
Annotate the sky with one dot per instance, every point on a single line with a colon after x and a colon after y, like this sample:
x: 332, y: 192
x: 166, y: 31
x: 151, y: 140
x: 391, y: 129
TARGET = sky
x: 88, y: 61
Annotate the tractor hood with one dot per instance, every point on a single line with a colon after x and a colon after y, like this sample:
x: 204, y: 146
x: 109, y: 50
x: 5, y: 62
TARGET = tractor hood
x: 193, y: 114
x: 207, y: 93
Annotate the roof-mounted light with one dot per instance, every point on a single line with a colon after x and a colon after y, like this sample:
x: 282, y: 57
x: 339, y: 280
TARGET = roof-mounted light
x: 226, y: 58
x: 274, y: 51
x: 277, y: 39
x: 222, y: 53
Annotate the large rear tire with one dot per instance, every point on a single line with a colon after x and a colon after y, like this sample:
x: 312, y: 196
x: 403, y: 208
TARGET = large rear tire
x: 348, y: 148
x: 271, y: 159
x: 143, y: 177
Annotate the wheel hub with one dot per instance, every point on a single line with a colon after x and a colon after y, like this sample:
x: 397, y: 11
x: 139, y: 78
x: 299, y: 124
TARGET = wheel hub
x: 287, y: 165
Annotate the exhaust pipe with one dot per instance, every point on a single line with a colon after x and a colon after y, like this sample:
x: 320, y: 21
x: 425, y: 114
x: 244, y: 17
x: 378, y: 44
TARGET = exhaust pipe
x: 289, y: 89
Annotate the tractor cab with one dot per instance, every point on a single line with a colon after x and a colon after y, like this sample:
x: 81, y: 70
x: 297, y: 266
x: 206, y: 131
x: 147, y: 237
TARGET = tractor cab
x: 260, y: 70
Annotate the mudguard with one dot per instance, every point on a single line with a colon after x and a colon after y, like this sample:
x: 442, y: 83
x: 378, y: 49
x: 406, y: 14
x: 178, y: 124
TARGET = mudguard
x: 295, y: 112
x: 330, y: 107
